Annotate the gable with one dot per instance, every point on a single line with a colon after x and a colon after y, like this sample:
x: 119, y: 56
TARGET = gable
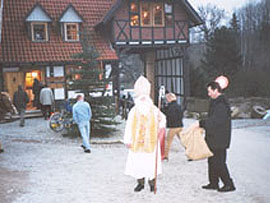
x: 38, y: 15
x: 192, y: 14
x: 70, y: 16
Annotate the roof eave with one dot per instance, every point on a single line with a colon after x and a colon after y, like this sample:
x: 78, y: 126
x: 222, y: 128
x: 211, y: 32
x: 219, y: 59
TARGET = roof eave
x: 107, y: 17
x: 196, y: 19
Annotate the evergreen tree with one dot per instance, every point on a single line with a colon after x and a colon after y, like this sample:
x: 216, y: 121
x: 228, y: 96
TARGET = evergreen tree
x: 234, y: 23
x: 222, y: 54
x: 89, y: 79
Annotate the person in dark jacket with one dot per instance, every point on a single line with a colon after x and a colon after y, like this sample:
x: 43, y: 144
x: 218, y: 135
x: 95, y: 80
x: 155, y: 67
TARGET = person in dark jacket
x: 37, y: 86
x: 174, y: 117
x: 20, y: 99
x: 218, y: 137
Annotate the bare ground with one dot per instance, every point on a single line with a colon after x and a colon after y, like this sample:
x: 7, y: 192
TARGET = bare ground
x: 40, y: 166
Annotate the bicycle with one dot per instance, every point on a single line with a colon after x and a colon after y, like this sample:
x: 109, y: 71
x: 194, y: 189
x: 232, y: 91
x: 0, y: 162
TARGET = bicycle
x: 61, y: 120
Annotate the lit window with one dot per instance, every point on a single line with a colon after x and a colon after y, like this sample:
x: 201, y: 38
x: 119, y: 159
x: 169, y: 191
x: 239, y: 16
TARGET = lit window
x: 39, y: 32
x: 134, y: 13
x: 134, y: 20
x: 134, y: 7
x: 151, y: 14
x: 146, y: 14
x: 71, y: 32
x: 158, y: 14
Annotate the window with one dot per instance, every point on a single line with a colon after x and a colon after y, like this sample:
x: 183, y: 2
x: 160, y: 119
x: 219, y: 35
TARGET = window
x: 147, y: 14
x: 158, y: 13
x: 71, y: 31
x: 168, y: 14
x: 134, y: 14
x: 134, y: 8
x: 70, y: 21
x: 39, y: 32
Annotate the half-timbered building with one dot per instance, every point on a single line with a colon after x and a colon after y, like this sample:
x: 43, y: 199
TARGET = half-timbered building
x: 159, y: 31
x: 40, y: 36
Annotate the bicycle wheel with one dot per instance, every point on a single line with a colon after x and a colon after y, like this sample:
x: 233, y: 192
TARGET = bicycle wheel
x: 56, y: 122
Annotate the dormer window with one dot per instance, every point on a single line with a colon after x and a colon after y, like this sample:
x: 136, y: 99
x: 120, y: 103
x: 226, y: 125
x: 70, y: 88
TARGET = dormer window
x: 39, y: 32
x: 37, y: 23
x: 70, y: 22
x: 71, y: 31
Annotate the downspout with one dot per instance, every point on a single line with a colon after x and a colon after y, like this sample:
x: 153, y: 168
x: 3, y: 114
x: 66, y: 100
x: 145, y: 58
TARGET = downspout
x: 1, y: 18
x: 1, y: 67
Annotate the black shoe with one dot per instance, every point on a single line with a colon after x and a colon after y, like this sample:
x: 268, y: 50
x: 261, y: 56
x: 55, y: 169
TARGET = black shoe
x: 83, y: 147
x: 227, y: 188
x: 152, y: 185
x: 87, y: 151
x: 152, y: 188
x: 139, y: 187
x: 21, y: 125
x: 1, y: 150
x: 210, y: 187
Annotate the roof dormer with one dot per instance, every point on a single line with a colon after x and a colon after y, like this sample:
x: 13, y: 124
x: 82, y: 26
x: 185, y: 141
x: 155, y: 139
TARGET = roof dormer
x: 38, y: 14
x: 70, y: 22
x: 38, y: 24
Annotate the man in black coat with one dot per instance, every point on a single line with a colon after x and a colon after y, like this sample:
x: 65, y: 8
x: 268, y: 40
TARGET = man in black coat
x: 218, y: 137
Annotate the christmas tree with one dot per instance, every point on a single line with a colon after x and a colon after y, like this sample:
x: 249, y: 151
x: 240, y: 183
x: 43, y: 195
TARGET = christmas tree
x: 89, y: 79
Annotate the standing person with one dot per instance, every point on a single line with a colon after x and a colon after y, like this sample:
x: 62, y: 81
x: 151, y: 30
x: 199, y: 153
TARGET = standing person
x: 46, y: 100
x: 141, y: 134
x: 20, y: 99
x: 218, y: 137
x: 130, y: 102
x: 174, y: 117
x: 82, y: 115
x: 1, y: 149
x: 36, y: 91
x: 123, y: 103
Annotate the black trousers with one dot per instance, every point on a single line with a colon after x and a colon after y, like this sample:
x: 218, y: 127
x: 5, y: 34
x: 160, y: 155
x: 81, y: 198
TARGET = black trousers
x: 46, y: 111
x: 217, y: 168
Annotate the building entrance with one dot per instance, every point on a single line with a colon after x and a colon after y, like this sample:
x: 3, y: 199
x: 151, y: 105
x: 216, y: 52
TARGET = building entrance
x: 169, y: 71
x: 32, y: 92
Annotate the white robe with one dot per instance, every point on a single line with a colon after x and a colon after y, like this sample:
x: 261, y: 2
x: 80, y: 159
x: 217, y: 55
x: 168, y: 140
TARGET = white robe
x: 142, y: 164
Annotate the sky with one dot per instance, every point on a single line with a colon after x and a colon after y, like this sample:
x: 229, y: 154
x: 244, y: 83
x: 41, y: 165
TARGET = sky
x: 228, y: 5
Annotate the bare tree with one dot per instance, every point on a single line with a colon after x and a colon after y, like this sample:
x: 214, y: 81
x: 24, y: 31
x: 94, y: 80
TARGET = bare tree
x: 131, y: 67
x: 254, y: 21
x: 212, y: 17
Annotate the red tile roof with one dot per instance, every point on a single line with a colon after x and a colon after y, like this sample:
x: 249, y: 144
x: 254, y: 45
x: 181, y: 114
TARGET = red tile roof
x: 16, y: 47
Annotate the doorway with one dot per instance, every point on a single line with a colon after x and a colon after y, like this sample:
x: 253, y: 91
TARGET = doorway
x: 12, y: 80
x: 169, y: 71
x: 30, y: 76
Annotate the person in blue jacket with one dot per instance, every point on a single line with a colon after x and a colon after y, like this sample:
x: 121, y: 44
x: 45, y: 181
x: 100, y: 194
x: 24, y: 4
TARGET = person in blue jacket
x: 82, y: 115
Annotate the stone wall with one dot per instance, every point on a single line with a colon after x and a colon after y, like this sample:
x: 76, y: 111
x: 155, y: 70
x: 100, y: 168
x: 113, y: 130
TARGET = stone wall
x: 243, y: 105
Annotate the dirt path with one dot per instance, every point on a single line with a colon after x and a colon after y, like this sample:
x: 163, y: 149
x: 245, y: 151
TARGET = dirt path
x: 42, y: 167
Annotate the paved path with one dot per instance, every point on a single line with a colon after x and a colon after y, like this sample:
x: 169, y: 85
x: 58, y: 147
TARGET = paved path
x: 42, y: 167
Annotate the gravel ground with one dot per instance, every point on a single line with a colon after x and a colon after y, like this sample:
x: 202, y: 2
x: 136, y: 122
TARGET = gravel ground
x: 40, y: 166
